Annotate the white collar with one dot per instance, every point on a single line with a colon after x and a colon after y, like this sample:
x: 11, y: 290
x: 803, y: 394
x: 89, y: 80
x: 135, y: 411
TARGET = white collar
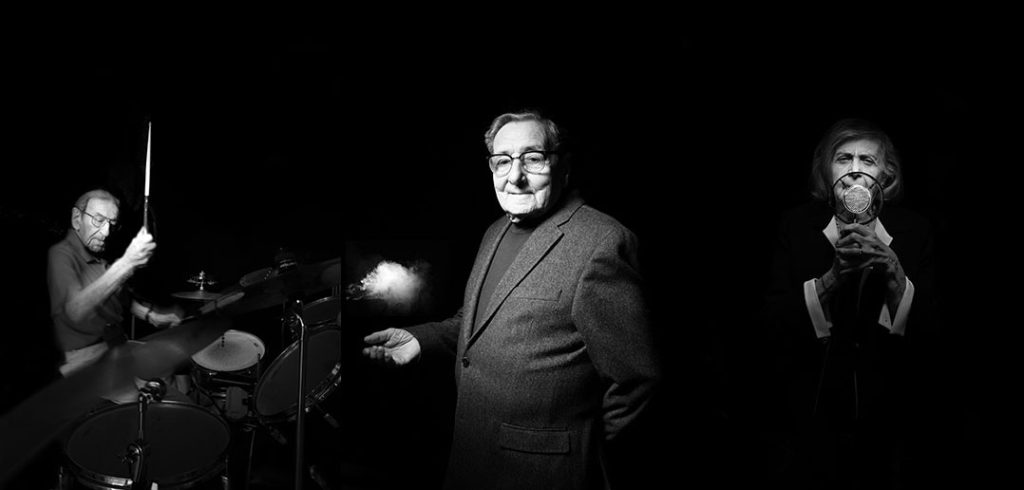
x: 831, y: 231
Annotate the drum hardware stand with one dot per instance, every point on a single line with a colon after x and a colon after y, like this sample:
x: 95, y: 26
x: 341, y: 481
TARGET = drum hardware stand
x: 300, y: 412
x: 154, y: 390
x: 333, y: 422
x: 295, y: 310
x: 202, y: 280
x: 290, y: 325
x: 289, y: 328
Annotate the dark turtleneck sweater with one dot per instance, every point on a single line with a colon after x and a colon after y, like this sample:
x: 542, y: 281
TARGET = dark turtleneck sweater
x: 511, y: 243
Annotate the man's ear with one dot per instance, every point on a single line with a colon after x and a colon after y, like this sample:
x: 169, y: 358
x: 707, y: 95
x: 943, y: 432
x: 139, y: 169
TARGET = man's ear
x: 76, y: 218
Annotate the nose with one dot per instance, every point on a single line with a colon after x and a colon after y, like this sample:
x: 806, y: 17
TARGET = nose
x: 515, y: 174
x: 855, y: 166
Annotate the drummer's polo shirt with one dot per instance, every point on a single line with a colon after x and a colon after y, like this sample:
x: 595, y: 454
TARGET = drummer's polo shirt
x: 71, y: 267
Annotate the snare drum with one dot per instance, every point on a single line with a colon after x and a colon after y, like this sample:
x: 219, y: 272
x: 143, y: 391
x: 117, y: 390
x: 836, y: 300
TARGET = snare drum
x: 276, y: 395
x: 187, y: 447
x: 233, y: 360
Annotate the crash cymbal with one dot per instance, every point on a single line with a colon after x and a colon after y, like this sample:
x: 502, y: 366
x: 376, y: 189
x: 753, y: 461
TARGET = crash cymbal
x: 257, y: 276
x: 29, y: 427
x: 269, y: 287
x: 199, y: 295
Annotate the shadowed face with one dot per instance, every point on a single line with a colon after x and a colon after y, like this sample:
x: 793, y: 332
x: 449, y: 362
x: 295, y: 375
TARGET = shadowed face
x: 96, y: 210
x: 522, y: 194
x: 856, y: 156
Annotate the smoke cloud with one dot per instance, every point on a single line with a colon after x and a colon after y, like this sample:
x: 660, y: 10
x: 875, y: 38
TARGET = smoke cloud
x: 398, y: 285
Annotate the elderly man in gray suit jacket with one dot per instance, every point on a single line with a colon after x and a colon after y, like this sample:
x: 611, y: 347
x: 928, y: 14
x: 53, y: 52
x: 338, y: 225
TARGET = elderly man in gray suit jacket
x: 553, y: 346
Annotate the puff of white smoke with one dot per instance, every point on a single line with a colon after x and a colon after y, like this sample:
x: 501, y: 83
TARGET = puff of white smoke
x: 391, y: 282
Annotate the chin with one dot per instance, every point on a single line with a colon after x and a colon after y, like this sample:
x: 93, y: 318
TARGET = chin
x: 519, y: 208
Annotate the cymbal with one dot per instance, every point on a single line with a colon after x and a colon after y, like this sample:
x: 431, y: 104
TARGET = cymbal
x: 268, y: 287
x: 200, y: 295
x: 257, y: 276
x: 29, y: 427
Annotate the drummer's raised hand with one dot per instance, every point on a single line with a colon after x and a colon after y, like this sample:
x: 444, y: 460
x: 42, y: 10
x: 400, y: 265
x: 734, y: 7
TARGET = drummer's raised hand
x: 140, y: 249
x: 392, y: 346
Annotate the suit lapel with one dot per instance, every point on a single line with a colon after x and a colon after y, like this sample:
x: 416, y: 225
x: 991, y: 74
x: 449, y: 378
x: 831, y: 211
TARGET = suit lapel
x: 489, y: 246
x: 536, y: 247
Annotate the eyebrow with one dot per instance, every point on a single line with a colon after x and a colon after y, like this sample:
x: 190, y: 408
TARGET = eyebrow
x: 850, y: 154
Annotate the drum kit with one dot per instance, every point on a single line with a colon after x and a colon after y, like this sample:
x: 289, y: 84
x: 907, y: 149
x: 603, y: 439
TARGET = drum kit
x: 153, y: 440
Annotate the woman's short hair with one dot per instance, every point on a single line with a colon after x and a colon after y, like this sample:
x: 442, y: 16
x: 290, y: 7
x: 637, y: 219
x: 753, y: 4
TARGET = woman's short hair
x: 845, y: 131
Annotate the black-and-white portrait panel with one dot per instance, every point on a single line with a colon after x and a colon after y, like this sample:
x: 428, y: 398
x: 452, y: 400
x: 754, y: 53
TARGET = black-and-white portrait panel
x: 313, y: 147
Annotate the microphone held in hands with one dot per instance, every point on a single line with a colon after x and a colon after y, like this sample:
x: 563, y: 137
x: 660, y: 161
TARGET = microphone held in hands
x: 856, y: 199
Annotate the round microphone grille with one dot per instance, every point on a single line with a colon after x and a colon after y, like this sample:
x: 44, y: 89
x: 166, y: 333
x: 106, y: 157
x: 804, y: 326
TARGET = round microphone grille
x: 857, y: 199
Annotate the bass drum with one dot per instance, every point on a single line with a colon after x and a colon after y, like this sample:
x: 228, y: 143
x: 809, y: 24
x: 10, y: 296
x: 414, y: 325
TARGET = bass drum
x: 314, y: 314
x: 187, y: 447
x: 277, y: 392
x: 323, y: 310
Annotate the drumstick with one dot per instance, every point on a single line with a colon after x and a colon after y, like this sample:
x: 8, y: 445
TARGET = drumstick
x: 145, y: 198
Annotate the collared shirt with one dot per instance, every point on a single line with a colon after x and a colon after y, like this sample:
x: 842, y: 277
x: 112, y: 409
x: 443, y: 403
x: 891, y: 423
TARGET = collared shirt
x: 71, y: 267
x: 896, y: 324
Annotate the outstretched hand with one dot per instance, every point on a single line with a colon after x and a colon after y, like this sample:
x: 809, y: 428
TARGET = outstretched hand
x: 392, y: 346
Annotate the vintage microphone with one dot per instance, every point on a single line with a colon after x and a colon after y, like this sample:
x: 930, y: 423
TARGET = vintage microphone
x: 857, y: 202
x: 852, y: 202
x: 856, y: 198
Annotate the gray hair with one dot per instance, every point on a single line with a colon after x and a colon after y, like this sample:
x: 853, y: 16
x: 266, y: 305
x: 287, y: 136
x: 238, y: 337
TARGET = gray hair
x: 105, y: 195
x: 847, y: 130
x: 552, y: 134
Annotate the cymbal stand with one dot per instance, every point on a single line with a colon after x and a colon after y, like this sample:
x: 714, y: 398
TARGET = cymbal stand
x: 202, y: 280
x: 289, y: 327
x: 300, y: 412
x: 138, y: 450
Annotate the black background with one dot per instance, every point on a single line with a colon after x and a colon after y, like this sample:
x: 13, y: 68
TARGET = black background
x: 331, y: 146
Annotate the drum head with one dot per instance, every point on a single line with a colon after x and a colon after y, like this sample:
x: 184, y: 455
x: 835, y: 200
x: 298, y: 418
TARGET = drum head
x: 233, y: 351
x: 186, y: 444
x: 277, y: 391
